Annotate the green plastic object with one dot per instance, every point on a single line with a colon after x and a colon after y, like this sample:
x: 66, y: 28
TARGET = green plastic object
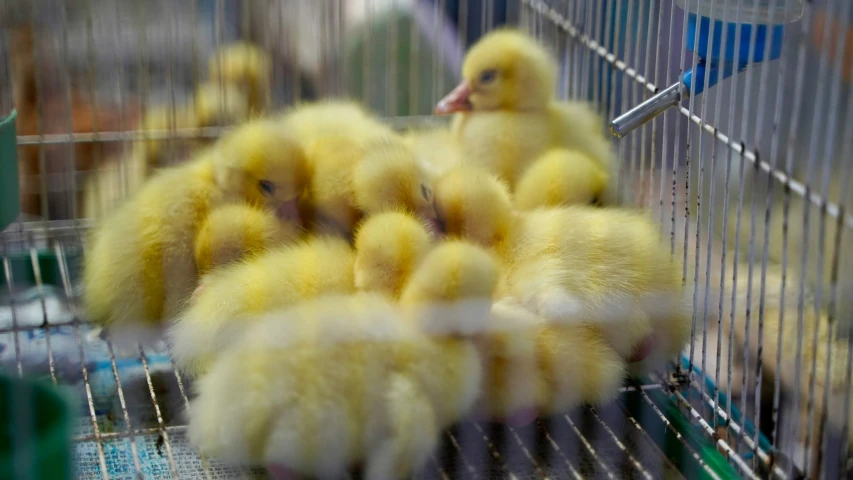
x: 10, y: 197
x: 417, y: 77
x: 35, y: 430
x: 23, y: 271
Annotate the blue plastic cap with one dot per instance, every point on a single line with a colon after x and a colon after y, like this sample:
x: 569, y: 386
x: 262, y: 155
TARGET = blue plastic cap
x: 736, y: 56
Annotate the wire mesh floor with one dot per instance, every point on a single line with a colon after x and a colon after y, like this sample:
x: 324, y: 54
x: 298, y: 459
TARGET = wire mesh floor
x: 130, y: 413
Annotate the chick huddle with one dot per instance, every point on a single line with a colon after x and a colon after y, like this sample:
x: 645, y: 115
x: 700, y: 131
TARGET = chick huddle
x: 342, y: 292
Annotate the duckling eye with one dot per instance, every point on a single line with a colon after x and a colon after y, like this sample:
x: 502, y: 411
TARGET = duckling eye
x: 488, y: 76
x: 426, y: 192
x: 267, y: 187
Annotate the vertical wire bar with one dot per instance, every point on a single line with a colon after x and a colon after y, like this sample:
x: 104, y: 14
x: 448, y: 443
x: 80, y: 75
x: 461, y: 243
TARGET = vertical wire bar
x: 122, y: 403
x: 614, y: 76
x: 186, y: 401
x: 482, y: 19
x: 598, y: 67
x: 664, y: 155
x: 833, y: 294
x: 712, y: 202
x: 134, y: 451
x: 463, y: 23
x: 218, y: 18
x: 632, y: 92
x: 122, y: 100
x: 279, y: 70
x: 607, y: 67
x: 43, y: 304
x: 723, y: 259
x: 621, y: 48
x: 741, y: 190
x: 414, y: 68
x: 751, y: 253
x: 848, y: 378
x: 759, y: 361
x: 786, y: 208
x: 436, y: 63
x: 657, y: 81
x: 39, y: 89
x: 675, y: 151
x: 443, y: 61
x: 586, y: 55
x: 700, y: 185
x: 194, y: 48
x: 736, y: 246
x: 644, y: 130
x: 296, y: 50
x: 165, y: 434
x: 97, y: 144
x: 570, y: 72
x: 144, y: 92
x: 638, y: 152
x: 392, y: 61
x: 768, y: 210
x: 171, y: 58
x: 69, y: 295
x: 813, y: 147
x: 828, y: 160
x: 7, y: 271
x: 367, y: 44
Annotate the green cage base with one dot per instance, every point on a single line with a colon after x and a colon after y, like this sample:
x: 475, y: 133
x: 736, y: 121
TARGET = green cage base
x: 35, y: 430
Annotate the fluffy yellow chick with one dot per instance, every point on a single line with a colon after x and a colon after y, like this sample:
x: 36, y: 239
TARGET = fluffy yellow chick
x: 218, y: 104
x: 347, y: 381
x: 560, y: 177
x: 358, y: 166
x: 507, y: 113
x: 247, y: 67
x: 109, y: 185
x: 603, y: 267
x: 388, y: 177
x: 212, y: 105
x: 388, y: 248
x: 160, y: 120
x: 332, y: 118
x: 237, y: 231
x: 272, y: 279
x: 532, y: 367
x: 140, y: 267
x: 436, y: 150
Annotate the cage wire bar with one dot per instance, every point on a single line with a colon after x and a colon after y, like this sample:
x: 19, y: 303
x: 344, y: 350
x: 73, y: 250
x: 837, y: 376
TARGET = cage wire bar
x: 747, y: 180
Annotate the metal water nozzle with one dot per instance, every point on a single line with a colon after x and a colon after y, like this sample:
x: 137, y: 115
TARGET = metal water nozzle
x: 714, y: 63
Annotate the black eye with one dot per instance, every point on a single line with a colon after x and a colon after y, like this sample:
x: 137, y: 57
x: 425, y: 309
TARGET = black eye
x: 426, y: 192
x: 267, y: 187
x: 488, y: 76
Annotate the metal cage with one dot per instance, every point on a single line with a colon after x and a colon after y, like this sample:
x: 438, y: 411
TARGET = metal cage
x: 748, y: 181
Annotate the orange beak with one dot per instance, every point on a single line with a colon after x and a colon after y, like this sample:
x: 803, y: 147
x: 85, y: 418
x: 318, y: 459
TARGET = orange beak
x: 458, y: 100
x: 289, y: 210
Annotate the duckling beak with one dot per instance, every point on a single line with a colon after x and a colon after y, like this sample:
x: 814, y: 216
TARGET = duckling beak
x: 433, y: 223
x: 458, y: 100
x: 288, y: 210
